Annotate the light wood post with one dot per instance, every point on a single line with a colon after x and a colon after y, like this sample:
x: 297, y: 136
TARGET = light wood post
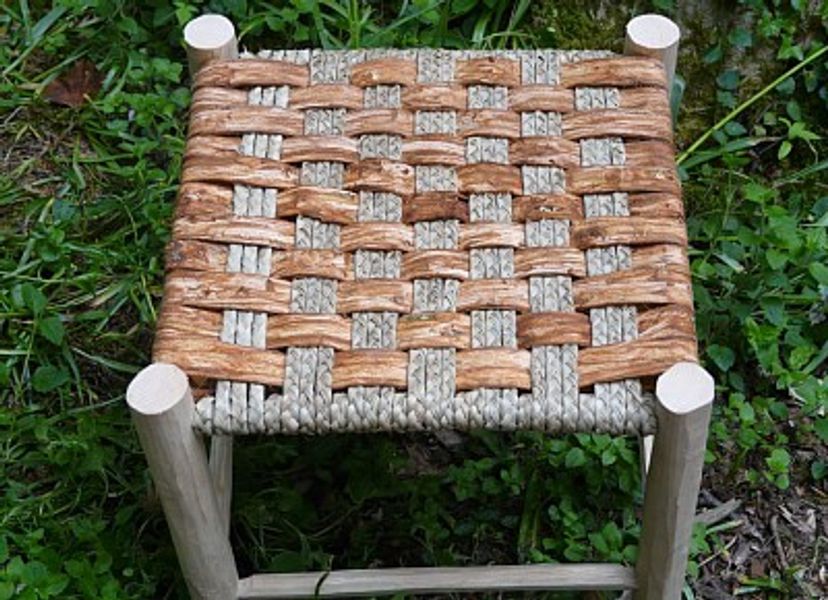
x: 656, y: 36
x: 209, y: 37
x: 684, y: 400
x: 221, y: 469
x: 162, y: 410
x: 213, y: 37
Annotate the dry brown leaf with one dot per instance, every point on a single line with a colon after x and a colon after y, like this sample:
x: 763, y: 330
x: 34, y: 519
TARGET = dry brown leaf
x: 76, y: 85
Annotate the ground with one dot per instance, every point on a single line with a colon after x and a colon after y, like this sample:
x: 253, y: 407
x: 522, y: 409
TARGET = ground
x: 93, y: 99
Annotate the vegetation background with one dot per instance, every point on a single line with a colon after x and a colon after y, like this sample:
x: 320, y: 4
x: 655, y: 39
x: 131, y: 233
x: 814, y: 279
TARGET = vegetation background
x: 93, y: 100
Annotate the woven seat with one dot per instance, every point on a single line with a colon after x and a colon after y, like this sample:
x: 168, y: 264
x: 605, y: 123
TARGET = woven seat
x: 406, y: 240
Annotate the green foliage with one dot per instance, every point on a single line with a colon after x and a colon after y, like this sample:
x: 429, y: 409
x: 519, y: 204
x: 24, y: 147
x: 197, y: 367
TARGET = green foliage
x: 85, y: 204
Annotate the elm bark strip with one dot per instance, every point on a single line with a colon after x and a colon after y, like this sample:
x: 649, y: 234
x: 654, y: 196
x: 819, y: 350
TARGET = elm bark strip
x: 434, y: 207
x: 188, y: 321
x: 326, y: 95
x: 320, y: 148
x: 504, y: 294
x: 377, y: 236
x: 379, y: 120
x: 244, y: 119
x: 616, y: 122
x: 661, y: 255
x: 434, y: 151
x: 656, y: 205
x: 217, y: 97
x: 434, y: 330
x: 553, y: 328
x: 380, y: 176
x: 482, y: 235
x: 488, y: 123
x: 488, y: 71
x: 666, y: 321
x: 493, y: 368
x: 618, y: 71
x: 195, y: 255
x: 218, y: 360
x: 384, y: 71
x: 664, y: 285
x: 548, y: 206
x: 434, y: 97
x: 325, y: 204
x: 487, y: 177
x: 308, y: 330
x: 239, y: 291
x: 372, y: 295
x: 555, y: 151
x: 212, y: 145
x: 429, y: 264
x: 631, y: 231
x: 249, y: 170
x: 652, y: 99
x: 205, y: 199
x: 370, y: 368
x: 252, y: 72
x: 530, y: 262
x: 260, y: 231
x: 649, y: 153
x: 329, y: 264
x: 530, y: 98
x: 637, y: 358
x: 596, y: 180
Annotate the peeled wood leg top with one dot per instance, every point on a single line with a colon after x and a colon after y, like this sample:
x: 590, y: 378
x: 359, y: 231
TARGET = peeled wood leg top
x: 685, y: 396
x: 162, y: 410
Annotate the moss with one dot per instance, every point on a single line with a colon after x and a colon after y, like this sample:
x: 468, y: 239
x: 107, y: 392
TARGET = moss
x: 580, y: 24
x: 699, y: 103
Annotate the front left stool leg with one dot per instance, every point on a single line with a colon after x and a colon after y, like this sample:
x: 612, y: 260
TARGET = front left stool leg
x: 162, y: 410
x: 221, y: 470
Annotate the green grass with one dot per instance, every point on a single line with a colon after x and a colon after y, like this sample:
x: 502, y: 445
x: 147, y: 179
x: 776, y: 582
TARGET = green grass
x: 86, y: 198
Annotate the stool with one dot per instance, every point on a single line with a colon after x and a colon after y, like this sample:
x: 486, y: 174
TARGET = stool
x: 407, y: 240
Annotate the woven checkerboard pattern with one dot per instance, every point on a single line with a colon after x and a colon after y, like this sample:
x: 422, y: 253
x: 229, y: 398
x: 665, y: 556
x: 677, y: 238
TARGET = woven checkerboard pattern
x: 406, y: 240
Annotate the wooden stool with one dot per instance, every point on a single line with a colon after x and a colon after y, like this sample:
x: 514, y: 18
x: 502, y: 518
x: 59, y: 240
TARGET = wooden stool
x: 398, y: 240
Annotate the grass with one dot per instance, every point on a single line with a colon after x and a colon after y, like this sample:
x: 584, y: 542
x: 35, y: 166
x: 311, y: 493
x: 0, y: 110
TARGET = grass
x: 86, y: 197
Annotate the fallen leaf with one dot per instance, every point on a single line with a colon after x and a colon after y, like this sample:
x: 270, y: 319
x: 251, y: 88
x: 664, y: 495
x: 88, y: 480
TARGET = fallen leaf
x: 76, y: 85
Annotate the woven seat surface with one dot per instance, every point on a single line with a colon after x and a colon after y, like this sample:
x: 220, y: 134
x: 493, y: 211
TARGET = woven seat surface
x: 406, y: 240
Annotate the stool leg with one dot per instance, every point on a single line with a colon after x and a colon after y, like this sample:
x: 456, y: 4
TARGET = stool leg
x: 162, y: 410
x: 221, y: 470
x: 684, y: 400
x: 656, y: 36
x: 209, y: 37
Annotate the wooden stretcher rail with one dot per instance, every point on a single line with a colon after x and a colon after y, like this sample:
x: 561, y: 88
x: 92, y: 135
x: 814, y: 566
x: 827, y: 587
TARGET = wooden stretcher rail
x: 434, y: 580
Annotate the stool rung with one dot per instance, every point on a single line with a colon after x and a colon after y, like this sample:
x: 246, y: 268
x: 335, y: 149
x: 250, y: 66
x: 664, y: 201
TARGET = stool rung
x: 429, y: 580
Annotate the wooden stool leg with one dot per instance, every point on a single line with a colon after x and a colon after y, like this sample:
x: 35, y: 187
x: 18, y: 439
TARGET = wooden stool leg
x: 221, y: 469
x: 213, y: 37
x: 209, y: 37
x: 685, y: 397
x: 656, y: 36
x: 162, y: 409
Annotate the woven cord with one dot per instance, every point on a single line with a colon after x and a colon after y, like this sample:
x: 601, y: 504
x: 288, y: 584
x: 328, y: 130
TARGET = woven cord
x: 437, y: 181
